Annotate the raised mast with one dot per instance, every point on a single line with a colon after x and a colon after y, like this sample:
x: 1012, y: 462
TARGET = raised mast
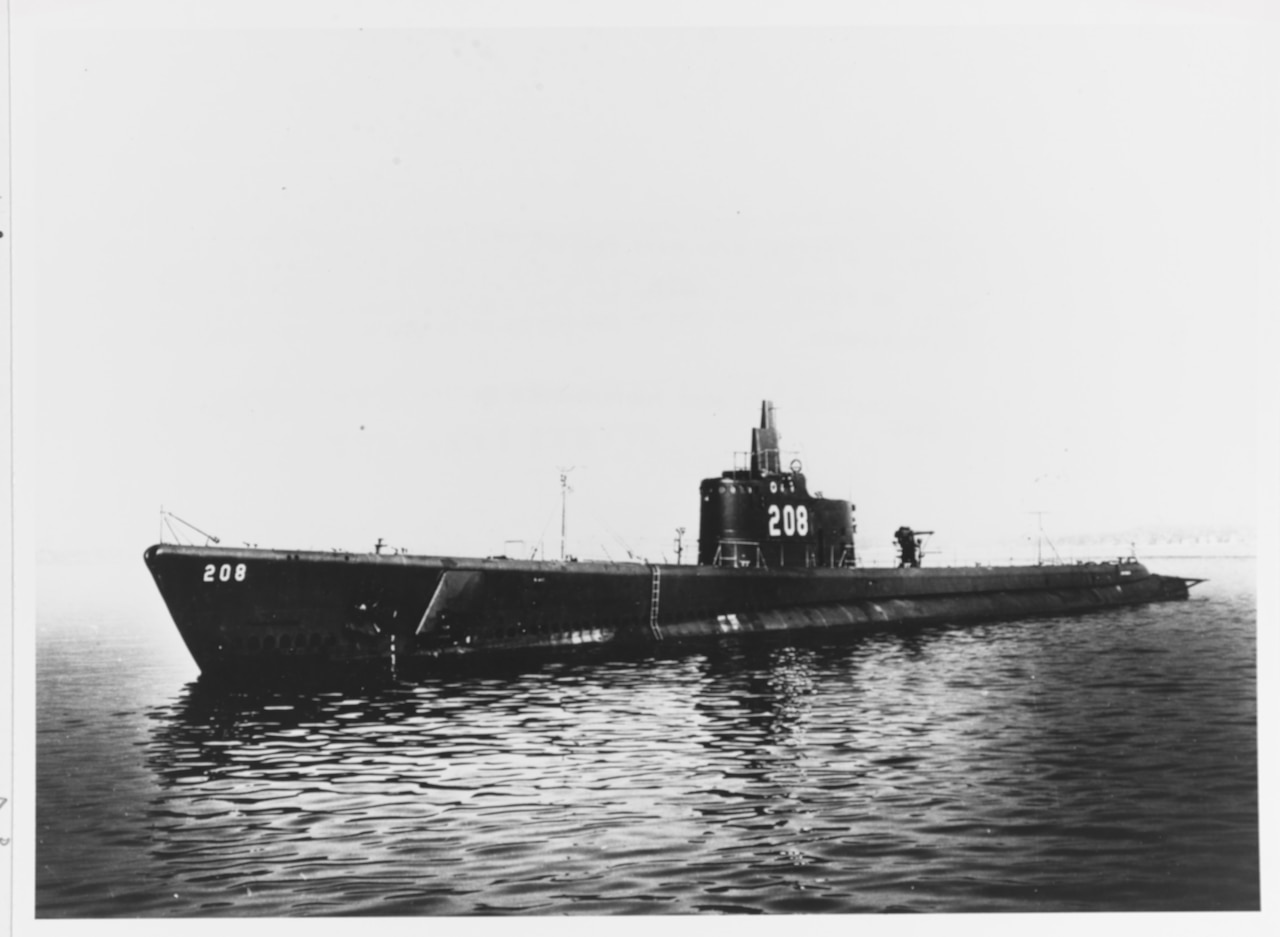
x: 564, y: 505
x: 765, y: 458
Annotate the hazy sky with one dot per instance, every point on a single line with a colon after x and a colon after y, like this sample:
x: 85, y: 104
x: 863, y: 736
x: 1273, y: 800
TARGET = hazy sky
x: 311, y: 287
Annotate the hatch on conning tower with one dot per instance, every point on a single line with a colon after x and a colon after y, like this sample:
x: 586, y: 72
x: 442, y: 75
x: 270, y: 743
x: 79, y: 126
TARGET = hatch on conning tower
x: 763, y: 516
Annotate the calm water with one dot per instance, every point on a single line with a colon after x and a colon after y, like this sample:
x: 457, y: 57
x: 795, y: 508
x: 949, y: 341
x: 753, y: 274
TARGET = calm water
x: 1100, y: 763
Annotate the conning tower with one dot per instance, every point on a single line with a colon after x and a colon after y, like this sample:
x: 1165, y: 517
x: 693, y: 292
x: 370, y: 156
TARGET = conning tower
x: 761, y: 516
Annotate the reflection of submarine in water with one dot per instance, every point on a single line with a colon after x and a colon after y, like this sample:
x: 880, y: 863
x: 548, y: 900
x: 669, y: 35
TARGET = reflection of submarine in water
x: 771, y: 557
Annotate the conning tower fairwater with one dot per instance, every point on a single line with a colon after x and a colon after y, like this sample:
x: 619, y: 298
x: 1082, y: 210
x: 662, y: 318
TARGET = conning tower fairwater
x: 761, y: 516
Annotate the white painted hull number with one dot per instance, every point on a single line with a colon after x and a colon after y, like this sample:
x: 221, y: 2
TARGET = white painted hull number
x: 789, y: 520
x: 224, y: 573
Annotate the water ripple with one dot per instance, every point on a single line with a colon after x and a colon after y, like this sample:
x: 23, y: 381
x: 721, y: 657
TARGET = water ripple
x: 1098, y: 763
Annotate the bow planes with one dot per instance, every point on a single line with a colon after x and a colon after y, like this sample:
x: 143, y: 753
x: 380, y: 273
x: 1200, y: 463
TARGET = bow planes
x: 771, y: 558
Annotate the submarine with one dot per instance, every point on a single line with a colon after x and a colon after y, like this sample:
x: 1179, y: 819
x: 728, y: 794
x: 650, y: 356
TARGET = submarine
x: 772, y: 557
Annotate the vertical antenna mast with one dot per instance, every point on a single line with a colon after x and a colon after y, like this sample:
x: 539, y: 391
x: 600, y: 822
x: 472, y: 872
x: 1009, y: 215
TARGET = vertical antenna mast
x: 564, y: 501
x: 1041, y: 538
x: 1039, y: 534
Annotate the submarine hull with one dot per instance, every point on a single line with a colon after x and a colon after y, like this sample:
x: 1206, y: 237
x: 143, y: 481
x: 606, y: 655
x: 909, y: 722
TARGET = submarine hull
x: 250, y: 612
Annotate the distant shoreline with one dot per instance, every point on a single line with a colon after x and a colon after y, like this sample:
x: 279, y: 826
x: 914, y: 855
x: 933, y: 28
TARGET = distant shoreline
x: 1198, y: 556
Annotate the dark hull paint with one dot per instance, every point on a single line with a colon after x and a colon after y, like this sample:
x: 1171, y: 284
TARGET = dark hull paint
x: 289, y: 613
